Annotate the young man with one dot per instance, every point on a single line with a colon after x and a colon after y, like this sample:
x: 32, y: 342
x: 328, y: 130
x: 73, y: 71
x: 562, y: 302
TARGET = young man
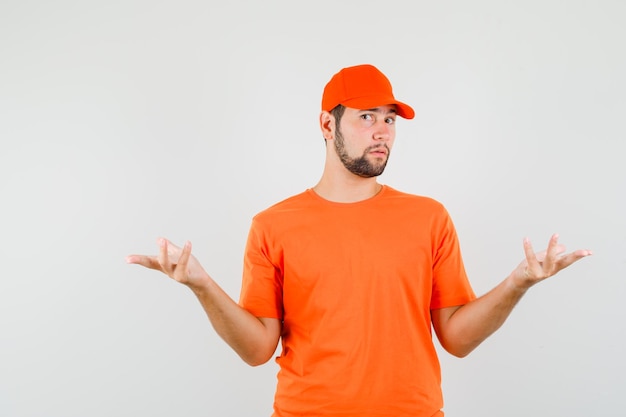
x: 350, y: 275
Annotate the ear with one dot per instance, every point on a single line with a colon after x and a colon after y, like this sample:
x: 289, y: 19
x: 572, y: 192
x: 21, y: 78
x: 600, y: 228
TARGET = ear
x: 327, y: 125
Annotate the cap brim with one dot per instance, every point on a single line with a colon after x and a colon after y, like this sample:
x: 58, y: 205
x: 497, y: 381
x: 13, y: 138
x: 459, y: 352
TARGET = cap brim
x: 403, y: 110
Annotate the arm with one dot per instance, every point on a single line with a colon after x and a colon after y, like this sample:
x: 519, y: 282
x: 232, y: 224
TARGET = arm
x: 461, y: 329
x: 254, y: 339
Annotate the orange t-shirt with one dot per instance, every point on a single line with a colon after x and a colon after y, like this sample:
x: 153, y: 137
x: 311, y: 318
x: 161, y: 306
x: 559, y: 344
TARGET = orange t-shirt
x: 354, y: 284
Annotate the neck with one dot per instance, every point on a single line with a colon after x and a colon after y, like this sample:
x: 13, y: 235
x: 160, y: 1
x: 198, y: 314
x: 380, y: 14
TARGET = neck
x: 347, y: 188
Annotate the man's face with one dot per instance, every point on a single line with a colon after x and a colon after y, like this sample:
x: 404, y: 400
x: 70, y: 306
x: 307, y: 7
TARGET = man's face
x: 364, y: 140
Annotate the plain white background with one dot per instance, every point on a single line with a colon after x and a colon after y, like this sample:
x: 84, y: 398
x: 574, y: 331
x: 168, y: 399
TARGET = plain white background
x: 123, y: 121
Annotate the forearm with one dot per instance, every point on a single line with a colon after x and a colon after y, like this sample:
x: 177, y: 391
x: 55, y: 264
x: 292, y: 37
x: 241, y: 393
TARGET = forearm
x: 246, y: 334
x: 474, y: 322
x: 461, y: 329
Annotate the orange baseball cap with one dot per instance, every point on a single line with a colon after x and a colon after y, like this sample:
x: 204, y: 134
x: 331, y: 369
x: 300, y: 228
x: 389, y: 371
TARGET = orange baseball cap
x: 362, y: 87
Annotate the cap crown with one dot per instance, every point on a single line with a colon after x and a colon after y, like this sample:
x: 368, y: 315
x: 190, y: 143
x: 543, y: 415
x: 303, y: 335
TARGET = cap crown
x: 362, y: 87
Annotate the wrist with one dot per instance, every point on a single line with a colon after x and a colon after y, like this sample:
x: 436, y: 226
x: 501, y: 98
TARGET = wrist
x: 517, y: 285
x: 202, y: 285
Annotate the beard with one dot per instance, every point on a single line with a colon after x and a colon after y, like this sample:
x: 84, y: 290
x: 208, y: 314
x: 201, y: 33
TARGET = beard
x: 360, y: 166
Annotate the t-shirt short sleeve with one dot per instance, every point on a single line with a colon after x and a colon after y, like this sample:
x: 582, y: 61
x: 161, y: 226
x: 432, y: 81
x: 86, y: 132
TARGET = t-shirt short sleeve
x: 451, y: 286
x: 261, y: 290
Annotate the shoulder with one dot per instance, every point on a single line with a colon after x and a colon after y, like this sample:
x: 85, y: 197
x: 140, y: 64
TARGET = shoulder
x: 413, y: 201
x: 284, y: 217
x: 294, y: 203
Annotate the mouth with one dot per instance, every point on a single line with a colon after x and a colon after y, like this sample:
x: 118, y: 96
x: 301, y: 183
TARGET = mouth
x: 379, y: 152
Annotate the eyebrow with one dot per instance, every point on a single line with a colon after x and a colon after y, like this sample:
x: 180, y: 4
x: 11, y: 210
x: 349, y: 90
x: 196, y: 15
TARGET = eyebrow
x: 379, y: 110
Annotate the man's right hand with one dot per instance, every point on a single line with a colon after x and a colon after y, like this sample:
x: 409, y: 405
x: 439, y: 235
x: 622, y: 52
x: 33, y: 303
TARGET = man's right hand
x: 253, y: 338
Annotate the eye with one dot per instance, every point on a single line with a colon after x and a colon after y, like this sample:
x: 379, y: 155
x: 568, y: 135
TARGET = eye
x: 390, y: 120
x: 367, y: 117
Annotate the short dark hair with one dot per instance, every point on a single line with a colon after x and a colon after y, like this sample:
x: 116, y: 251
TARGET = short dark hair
x: 337, y: 113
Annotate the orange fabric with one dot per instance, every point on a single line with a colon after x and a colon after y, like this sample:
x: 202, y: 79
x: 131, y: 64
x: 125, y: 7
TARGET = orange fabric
x: 362, y: 87
x: 354, y: 285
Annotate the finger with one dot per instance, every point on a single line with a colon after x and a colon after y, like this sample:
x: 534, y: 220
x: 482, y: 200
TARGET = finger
x: 174, y: 252
x: 172, y: 249
x: 541, y: 256
x: 147, y: 261
x: 181, y: 267
x: 570, y: 258
x: 552, y: 252
x: 164, y: 258
x: 531, y: 258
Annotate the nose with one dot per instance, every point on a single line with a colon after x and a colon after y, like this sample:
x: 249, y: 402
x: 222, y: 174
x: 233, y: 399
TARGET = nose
x: 383, y: 131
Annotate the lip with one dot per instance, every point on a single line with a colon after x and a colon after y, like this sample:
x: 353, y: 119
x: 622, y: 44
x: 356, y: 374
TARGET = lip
x: 378, y: 152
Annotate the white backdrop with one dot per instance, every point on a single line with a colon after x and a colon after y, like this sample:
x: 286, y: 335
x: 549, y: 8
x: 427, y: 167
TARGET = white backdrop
x: 123, y: 121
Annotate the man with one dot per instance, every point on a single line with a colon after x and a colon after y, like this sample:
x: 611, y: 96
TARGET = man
x: 351, y: 274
